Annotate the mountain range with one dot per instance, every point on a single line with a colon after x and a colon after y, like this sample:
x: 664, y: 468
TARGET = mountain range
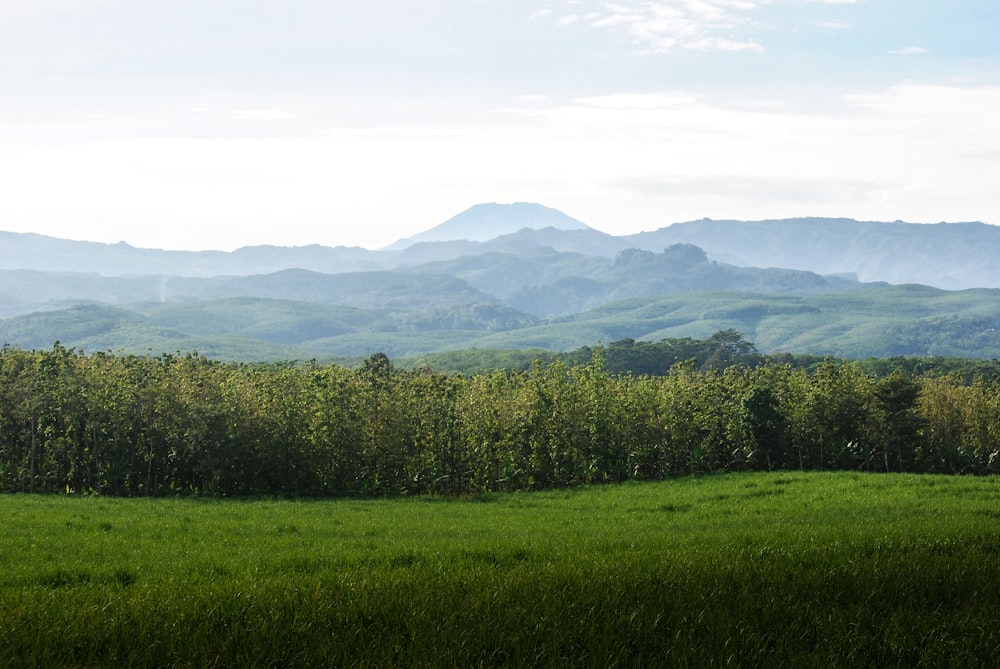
x: 520, y: 275
x: 952, y: 256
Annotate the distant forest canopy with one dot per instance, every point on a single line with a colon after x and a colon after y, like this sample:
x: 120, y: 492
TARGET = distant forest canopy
x: 723, y: 349
x: 120, y: 424
x: 409, y: 316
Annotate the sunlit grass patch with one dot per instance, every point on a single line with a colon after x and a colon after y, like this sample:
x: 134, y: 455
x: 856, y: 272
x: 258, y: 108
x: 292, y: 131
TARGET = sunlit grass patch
x: 832, y: 569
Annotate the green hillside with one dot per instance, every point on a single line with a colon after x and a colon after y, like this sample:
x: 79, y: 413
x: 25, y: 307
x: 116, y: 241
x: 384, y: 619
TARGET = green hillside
x: 278, y: 321
x: 877, y: 321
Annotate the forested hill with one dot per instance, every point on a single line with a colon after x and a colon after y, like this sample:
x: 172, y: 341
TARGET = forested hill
x: 881, y: 321
x: 556, y: 288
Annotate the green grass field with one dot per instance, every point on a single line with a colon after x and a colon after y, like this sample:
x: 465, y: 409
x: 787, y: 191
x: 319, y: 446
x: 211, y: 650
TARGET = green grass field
x: 788, y: 569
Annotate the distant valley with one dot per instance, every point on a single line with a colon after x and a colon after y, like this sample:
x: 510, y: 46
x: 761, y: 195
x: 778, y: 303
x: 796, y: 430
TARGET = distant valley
x: 518, y: 276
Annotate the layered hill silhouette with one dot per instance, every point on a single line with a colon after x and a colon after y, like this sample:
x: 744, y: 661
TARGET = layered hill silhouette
x: 952, y: 256
x: 520, y: 275
x: 945, y: 255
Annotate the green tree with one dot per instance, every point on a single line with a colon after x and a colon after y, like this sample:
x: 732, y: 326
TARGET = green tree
x: 386, y: 435
x: 766, y: 425
x: 335, y: 433
x: 833, y: 418
x: 896, y: 423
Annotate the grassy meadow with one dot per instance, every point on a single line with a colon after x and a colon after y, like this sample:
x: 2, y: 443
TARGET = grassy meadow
x: 755, y: 569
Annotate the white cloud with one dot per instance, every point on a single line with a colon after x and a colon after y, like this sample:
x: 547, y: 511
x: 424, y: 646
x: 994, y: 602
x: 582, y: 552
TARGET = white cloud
x: 921, y: 153
x: 666, y: 25
x: 804, y: 191
x: 641, y: 101
x: 662, y: 26
x: 622, y: 162
x: 968, y: 110
x: 262, y: 114
x: 910, y: 51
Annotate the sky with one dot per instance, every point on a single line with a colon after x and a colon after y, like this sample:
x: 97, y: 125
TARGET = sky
x: 216, y: 124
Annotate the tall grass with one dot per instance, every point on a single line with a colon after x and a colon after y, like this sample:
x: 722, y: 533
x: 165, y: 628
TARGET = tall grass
x: 802, y: 569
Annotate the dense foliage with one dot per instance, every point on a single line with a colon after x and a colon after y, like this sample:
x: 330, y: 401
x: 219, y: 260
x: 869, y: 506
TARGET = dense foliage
x: 147, y: 425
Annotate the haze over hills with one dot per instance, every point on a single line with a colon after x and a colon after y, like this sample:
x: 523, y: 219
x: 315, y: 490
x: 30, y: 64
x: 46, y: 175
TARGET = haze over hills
x: 536, y: 278
x: 952, y: 256
x: 945, y: 255
x: 49, y: 254
x: 483, y: 222
x: 544, y: 284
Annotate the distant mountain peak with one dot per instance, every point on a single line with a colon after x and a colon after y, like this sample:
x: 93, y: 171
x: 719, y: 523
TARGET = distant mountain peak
x: 483, y: 222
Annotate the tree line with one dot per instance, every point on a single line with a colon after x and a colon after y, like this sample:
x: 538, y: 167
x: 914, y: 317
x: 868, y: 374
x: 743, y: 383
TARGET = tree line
x: 120, y: 424
x: 722, y: 349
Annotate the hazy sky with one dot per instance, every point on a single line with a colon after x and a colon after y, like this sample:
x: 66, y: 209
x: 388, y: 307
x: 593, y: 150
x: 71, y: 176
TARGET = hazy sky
x: 222, y: 123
